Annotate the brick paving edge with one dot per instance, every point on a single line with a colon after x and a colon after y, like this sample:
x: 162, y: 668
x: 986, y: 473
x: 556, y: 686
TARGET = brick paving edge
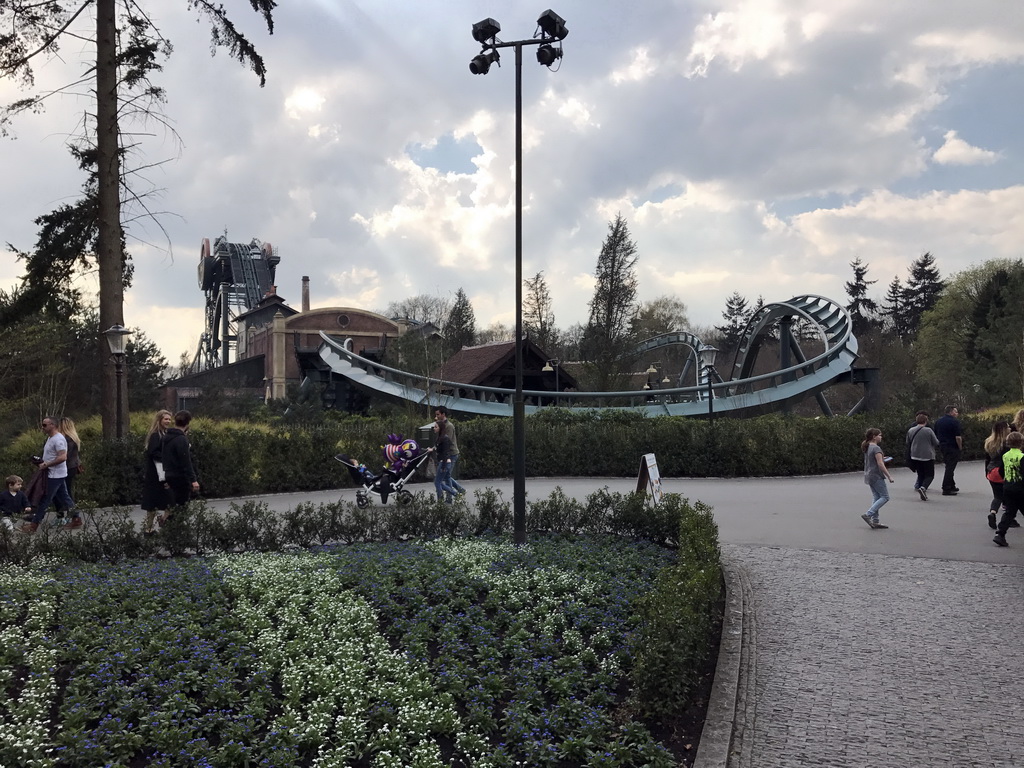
x: 726, y: 730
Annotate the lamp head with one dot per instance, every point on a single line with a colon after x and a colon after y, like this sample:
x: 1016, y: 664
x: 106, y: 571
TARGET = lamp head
x: 552, y: 25
x: 117, y: 339
x: 547, y: 367
x: 707, y: 355
x: 652, y: 369
x: 547, y: 54
x: 486, y: 30
x: 481, y: 63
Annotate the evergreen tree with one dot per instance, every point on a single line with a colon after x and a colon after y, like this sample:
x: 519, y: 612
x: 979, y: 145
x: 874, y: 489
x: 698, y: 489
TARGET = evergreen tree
x: 923, y: 289
x: 861, y: 308
x: 460, y: 327
x: 608, y: 337
x: 538, y: 317
x: 736, y: 315
x: 894, y: 310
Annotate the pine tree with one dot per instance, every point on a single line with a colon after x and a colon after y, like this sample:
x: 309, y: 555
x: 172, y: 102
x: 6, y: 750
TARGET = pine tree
x: 538, y: 318
x: 894, y: 310
x: 923, y: 289
x: 460, y: 326
x: 735, y: 315
x: 862, y: 309
x: 614, y: 304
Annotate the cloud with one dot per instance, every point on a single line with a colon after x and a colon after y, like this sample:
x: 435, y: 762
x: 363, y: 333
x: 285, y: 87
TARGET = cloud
x: 752, y: 145
x: 956, y: 151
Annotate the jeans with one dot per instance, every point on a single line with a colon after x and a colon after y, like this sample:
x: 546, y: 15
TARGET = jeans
x: 56, y: 493
x: 951, y: 457
x: 880, y: 495
x: 443, y: 479
x: 452, y: 481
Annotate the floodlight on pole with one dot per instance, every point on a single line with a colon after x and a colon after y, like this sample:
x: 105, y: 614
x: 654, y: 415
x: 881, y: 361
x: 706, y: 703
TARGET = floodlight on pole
x: 547, y: 55
x: 481, y: 64
x: 485, y: 32
x: 552, y: 25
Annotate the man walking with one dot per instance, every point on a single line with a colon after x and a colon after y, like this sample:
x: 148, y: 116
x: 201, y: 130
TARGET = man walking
x: 950, y: 434
x: 441, y: 415
x: 55, y: 455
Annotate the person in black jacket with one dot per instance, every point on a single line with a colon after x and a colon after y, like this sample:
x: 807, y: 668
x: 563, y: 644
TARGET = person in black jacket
x: 180, y: 475
x: 155, y: 491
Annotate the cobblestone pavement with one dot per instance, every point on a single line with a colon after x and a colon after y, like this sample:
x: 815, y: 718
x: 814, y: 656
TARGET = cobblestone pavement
x: 873, y: 660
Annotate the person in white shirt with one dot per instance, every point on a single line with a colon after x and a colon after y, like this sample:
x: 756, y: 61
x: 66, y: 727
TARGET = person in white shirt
x: 54, y: 461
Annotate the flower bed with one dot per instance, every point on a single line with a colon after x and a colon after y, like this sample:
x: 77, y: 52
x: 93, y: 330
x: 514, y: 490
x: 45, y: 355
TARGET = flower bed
x: 467, y: 652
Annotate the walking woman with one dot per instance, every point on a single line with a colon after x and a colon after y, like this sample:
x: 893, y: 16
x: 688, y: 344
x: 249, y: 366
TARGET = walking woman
x: 875, y: 476
x: 921, y: 445
x: 995, y: 447
x: 155, y: 496
x: 1017, y: 425
x: 74, y: 461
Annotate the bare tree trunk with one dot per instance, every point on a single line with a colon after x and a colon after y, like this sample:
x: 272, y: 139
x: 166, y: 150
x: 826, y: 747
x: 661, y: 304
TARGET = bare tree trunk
x: 109, y: 250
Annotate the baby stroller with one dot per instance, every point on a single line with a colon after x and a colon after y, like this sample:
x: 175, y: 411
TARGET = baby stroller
x: 387, y: 482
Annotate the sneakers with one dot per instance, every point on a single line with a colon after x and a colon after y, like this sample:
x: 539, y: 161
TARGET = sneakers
x: 950, y: 493
x: 29, y: 528
x: 1014, y: 523
x: 74, y: 524
x: 1000, y: 540
x: 992, y: 520
x: 923, y: 493
x: 867, y: 519
x: 879, y: 525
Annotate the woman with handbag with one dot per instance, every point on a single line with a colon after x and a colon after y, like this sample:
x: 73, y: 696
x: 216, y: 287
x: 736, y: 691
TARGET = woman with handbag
x: 155, y: 496
x: 995, y: 447
x: 921, y: 445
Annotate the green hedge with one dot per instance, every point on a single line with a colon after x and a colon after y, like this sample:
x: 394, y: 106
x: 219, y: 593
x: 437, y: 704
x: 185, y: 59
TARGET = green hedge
x: 236, y: 458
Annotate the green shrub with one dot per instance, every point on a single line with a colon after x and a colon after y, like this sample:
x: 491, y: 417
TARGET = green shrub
x: 678, y: 616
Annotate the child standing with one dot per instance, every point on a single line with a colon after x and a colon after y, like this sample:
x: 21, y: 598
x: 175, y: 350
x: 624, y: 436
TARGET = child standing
x: 13, y: 501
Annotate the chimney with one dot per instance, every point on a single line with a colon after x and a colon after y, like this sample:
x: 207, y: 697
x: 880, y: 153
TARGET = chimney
x: 305, y: 293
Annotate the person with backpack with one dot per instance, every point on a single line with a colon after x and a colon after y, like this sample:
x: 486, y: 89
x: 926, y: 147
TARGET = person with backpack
x: 1013, y: 485
x: 921, y: 445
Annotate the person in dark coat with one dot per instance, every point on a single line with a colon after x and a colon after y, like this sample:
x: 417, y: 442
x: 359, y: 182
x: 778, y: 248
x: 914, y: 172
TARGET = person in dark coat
x: 155, y: 492
x: 182, y: 480
x: 951, y: 443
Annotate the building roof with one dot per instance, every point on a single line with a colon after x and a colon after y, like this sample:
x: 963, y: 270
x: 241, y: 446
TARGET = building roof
x: 480, y: 364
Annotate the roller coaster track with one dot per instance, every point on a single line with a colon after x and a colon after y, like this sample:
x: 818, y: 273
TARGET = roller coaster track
x: 798, y: 376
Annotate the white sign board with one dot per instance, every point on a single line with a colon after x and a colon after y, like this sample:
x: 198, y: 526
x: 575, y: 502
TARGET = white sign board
x: 649, y: 480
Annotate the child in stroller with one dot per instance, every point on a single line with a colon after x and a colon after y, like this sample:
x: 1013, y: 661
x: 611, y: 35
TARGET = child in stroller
x: 402, y: 459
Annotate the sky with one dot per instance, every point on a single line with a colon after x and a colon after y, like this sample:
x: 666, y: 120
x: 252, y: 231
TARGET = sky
x: 752, y: 146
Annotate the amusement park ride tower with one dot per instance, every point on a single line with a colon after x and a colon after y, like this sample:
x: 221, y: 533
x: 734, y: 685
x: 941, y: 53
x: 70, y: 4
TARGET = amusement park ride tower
x: 234, y: 277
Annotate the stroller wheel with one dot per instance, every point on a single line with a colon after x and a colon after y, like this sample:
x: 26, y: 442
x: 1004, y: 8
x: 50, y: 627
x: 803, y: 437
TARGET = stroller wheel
x: 362, y: 500
x: 404, y: 498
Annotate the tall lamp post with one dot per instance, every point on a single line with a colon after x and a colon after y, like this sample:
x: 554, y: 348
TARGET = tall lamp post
x: 117, y: 340
x: 553, y: 365
x: 552, y: 31
x: 707, y: 360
